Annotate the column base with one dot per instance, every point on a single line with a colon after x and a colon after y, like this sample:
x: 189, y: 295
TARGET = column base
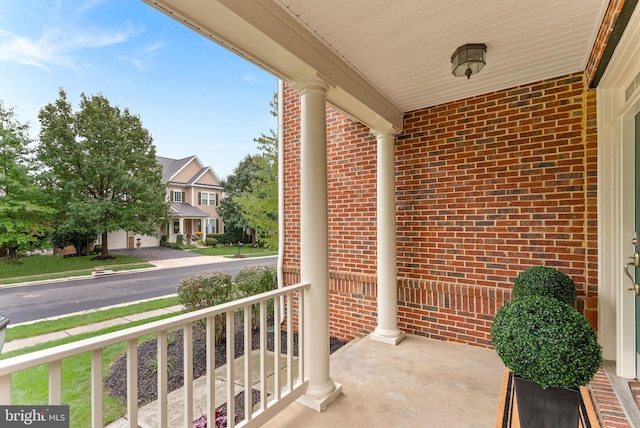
x: 391, y: 338
x: 320, y: 403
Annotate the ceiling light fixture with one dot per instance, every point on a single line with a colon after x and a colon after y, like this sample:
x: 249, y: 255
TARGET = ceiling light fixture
x: 469, y: 59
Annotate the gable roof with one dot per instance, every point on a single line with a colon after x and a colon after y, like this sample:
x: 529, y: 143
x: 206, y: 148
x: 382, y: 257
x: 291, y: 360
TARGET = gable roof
x: 172, y: 167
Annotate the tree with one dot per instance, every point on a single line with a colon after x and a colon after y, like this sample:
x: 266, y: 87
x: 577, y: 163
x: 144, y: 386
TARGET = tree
x: 24, y: 218
x: 234, y: 185
x: 252, y: 191
x: 258, y: 202
x: 102, y: 168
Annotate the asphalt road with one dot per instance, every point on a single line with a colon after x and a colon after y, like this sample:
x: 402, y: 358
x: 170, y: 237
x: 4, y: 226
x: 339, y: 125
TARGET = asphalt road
x: 33, y: 302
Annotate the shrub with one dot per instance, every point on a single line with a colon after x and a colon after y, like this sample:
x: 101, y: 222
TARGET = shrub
x: 545, y: 281
x: 163, y: 240
x: 179, y: 239
x: 546, y: 341
x: 218, y: 236
x: 255, y: 280
x: 211, y: 242
x: 205, y: 290
x: 97, y: 249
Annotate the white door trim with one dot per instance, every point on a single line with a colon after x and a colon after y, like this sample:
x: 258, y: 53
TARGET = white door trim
x: 616, y: 307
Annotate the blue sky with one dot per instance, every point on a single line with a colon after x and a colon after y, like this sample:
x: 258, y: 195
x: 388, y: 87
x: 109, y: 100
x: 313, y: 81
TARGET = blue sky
x: 194, y: 97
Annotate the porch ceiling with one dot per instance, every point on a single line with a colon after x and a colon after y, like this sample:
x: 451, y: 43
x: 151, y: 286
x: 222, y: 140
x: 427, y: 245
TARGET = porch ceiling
x: 387, y: 57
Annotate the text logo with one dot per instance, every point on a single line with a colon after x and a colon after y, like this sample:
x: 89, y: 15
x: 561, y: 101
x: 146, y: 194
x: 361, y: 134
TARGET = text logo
x: 34, y: 416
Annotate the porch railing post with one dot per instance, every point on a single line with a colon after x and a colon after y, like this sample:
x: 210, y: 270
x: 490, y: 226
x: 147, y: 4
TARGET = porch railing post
x: 314, y: 242
x: 387, y: 329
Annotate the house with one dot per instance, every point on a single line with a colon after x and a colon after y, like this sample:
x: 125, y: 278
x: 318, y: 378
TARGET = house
x: 413, y: 197
x: 194, y: 191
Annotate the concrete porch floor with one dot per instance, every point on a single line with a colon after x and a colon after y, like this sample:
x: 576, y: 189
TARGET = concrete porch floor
x: 418, y: 383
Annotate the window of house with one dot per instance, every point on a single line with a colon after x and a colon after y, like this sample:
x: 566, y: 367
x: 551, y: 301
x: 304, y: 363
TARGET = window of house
x: 177, y: 196
x: 208, y: 198
x: 176, y: 227
x: 212, y: 225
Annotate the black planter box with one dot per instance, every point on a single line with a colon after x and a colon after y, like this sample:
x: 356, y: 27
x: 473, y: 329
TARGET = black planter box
x: 546, y: 408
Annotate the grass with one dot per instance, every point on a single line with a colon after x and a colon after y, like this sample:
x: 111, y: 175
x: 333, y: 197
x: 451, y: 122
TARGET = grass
x: 30, y: 386
x: 44, y: 327
x: 232, y: 251
x: 51, y: 267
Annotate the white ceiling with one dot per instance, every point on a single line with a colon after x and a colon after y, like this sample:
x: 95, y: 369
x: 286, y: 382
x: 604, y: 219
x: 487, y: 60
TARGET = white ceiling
x: 386, y: 57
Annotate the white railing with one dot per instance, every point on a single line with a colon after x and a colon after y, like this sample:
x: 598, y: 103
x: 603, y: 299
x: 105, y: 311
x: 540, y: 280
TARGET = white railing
x: 271, y: 402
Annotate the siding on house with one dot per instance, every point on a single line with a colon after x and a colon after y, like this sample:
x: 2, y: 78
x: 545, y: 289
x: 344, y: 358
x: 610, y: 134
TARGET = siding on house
x: 486, y: 187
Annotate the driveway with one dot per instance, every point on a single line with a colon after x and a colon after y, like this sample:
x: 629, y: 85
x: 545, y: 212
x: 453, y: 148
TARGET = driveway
x: 155, y: 253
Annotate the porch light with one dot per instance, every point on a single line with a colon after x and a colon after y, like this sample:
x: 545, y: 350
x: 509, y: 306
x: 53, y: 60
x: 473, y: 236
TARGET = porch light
x: 469, y: 59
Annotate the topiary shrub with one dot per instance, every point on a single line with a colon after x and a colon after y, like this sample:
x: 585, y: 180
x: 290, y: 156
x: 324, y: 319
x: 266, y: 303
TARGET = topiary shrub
x: 211, y: 242
x: 546, y: 341
x: 545, y: 281
x: 255, y: 280
x: 204, y: 291
x: 179, y: 239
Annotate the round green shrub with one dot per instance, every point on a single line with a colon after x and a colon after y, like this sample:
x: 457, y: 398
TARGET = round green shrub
x: 545, y: 281
x: 546, y: 341
x: 211, y: 242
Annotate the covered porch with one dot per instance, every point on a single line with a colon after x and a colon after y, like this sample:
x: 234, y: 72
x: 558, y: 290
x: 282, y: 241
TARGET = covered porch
x: 413, y: 198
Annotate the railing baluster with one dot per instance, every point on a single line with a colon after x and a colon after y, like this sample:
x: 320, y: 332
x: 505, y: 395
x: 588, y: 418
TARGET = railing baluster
x: 211, y: 370
x: 96, y: 388
x: 248, y: 390
x: 163, y: 379
x: 5, y: 390
x: 132, y: 382
x: 290, y: 342
x: 263, y: 354
x: 55, y: 382
x: 301, y: 374
x: 277, y: 335
x: 231, y: 411
x: 188, y: 373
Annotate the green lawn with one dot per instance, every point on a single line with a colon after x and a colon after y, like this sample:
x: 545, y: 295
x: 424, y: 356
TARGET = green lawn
x: 51, y: 267
x: 44, y: 327
x: 232, y: 251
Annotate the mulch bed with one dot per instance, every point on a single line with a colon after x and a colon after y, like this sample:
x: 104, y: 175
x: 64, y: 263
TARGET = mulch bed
x: 116, y: 380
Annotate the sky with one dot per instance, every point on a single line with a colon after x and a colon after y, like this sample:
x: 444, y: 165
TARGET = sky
x: 193, y: 96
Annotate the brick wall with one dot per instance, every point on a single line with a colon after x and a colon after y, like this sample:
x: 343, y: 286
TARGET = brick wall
x: 486, y: 187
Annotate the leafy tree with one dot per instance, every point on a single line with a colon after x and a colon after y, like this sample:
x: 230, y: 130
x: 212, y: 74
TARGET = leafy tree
x: 252, y: 191
x: 102, y: 168
x: 259, y: 201
x: 234, y: 185
x: 24, y: 218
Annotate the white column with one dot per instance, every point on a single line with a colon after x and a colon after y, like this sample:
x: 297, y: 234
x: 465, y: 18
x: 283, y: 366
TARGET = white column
x: 387, y: 330
x: 314, y: 242
x: 181, y: 226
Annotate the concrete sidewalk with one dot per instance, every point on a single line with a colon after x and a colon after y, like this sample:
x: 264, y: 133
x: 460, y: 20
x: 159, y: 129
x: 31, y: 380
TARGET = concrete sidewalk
x: 36, y: 340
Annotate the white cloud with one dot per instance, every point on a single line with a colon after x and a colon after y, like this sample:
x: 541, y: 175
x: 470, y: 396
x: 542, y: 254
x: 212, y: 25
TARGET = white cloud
x: 56, y: 46
x: 142, y: 60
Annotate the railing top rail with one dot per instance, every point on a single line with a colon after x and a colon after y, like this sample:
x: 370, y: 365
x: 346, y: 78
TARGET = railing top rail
x: 36, y: 358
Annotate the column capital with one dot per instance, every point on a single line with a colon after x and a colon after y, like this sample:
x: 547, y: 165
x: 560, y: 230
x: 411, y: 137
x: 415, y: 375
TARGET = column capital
x: 311, y: 82
x: 384, y: 132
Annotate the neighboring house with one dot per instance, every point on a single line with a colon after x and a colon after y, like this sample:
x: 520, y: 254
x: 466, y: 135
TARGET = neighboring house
x: 194, y: 192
